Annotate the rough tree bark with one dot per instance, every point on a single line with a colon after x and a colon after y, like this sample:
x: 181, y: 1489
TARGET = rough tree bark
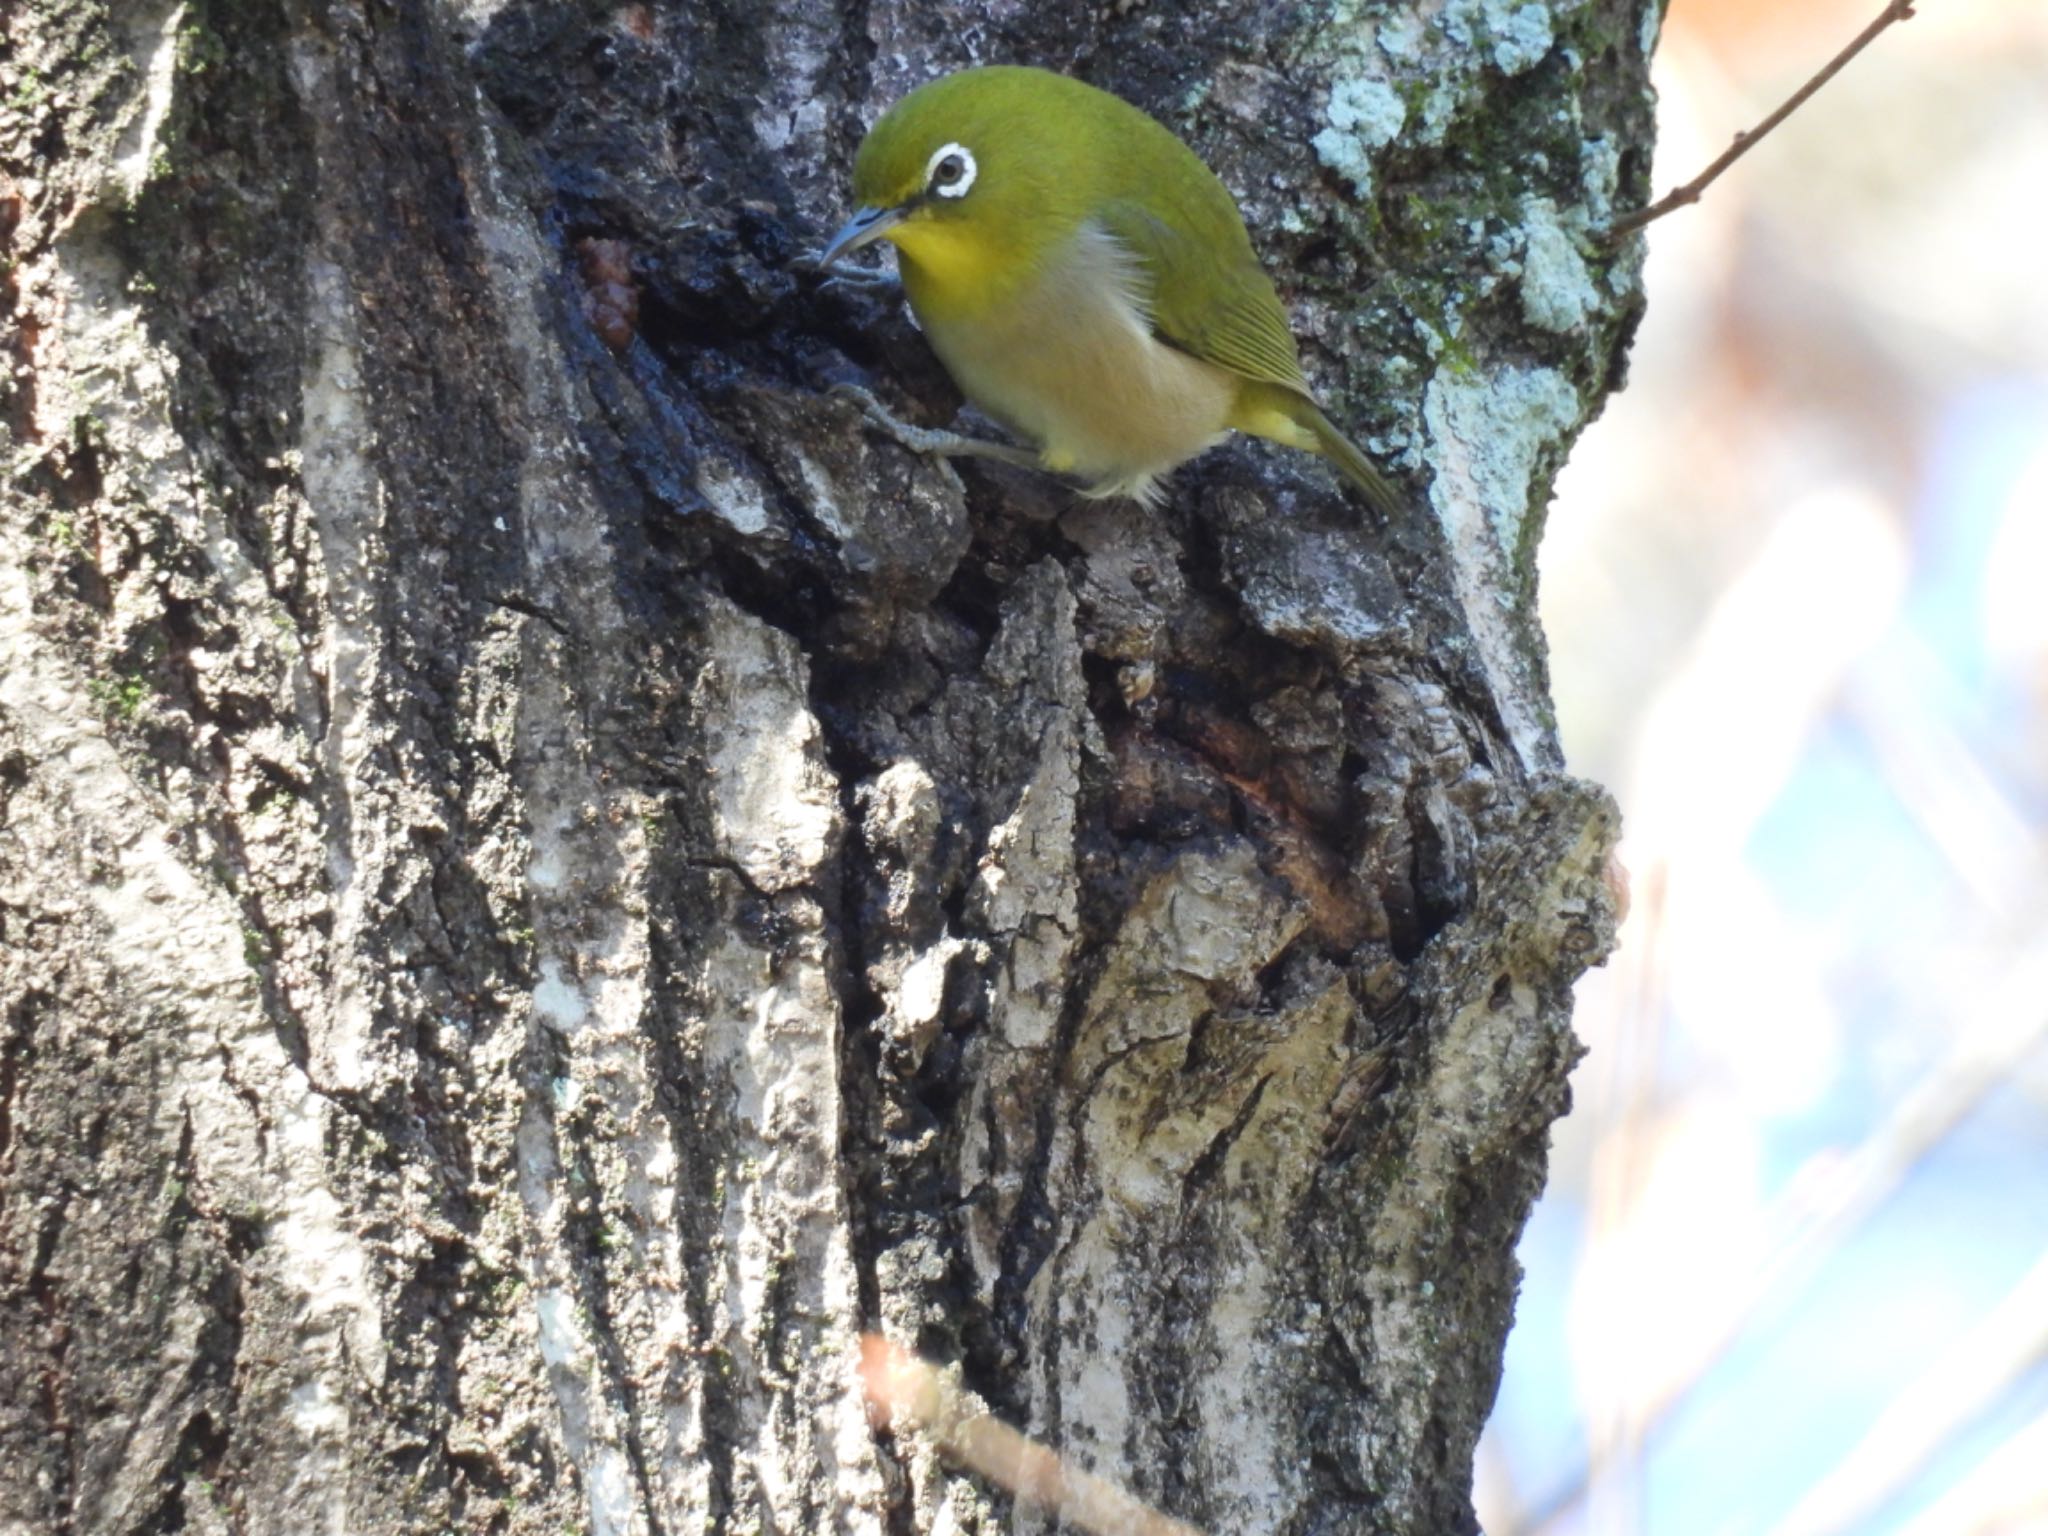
x: 549, y: 878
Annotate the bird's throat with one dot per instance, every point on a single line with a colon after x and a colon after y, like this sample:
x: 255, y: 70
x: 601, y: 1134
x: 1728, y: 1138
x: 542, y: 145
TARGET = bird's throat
x: 952, y: 272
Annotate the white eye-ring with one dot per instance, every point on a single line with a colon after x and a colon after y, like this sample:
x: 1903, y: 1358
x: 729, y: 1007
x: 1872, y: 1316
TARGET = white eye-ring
x: 950, y: 171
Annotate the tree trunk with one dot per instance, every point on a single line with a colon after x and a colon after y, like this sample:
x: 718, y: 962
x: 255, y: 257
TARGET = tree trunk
x: 550, y: 877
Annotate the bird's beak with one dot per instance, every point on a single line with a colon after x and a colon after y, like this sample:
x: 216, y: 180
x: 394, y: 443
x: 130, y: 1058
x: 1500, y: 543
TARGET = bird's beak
x: 866, y: 224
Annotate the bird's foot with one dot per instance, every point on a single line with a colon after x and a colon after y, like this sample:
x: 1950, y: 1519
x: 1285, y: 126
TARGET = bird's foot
x: 931, y: 442
x: 861, y: 279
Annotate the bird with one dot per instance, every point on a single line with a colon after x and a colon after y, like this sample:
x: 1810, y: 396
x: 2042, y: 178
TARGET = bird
x: 1086, y: 280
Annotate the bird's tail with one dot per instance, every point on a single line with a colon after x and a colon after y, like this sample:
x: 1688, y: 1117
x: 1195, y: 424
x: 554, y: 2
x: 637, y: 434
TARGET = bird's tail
x: 1350, y: 462
x: 1291, y: 417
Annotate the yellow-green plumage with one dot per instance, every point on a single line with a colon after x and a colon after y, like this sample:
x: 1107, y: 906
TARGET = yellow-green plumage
x: 1091, y: 284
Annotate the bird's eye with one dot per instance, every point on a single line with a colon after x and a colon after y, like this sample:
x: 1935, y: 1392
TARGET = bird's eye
x: 950, y: 171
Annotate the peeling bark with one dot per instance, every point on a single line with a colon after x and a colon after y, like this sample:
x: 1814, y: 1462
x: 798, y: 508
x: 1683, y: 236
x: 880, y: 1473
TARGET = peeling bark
x: 549, y: 878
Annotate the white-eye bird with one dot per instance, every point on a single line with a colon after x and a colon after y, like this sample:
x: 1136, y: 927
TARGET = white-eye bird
x: 1085, y: 279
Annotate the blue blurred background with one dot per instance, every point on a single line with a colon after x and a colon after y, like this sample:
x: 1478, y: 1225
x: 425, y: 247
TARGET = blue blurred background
x: 1791, y: 1275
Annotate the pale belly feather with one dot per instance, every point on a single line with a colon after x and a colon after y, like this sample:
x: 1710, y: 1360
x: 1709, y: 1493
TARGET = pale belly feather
x: 1072, y: 364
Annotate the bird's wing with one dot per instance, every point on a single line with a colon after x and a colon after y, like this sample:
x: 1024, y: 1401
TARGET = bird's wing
x: 1207, y: 295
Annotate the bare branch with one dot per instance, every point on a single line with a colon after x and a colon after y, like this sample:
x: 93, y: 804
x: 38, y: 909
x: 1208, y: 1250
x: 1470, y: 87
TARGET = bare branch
x: 1628, y: 223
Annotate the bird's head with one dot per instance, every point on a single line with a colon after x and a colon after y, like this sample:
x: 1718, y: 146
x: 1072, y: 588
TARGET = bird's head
x: 973, y: 175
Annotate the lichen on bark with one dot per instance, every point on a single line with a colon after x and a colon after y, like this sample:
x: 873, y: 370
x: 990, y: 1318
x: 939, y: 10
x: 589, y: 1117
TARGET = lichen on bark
x: 549, y: 877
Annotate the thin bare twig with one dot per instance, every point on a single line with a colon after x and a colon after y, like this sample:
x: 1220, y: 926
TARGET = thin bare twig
x: 1628, y: 223
x: 909, y: 1392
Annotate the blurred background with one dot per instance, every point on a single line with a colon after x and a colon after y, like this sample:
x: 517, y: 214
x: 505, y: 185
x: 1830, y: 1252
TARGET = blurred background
x: 1792, y: 1272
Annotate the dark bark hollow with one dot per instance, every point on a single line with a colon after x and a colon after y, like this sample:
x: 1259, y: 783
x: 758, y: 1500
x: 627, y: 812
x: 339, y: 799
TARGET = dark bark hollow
x: 549, y: 877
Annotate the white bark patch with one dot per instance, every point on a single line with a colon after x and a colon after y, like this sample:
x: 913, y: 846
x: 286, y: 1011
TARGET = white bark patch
x: 349, y: 513
x: 899, y: 817
x: 1486, y: 433
x: 607, y: 1476
x: 776, y: 804
x: 1025, y: 888
x: 924, y: 985
x: 1557, y: 290
x: 346, y: 496
x: 348, y: 510
x: 787, y: 1277
x: 805, y: 44
x: 1365, y: 115
x: 137, y: 155
x: 822, y: 496
x: 735, y: 498
x: 1516, y: 33
x: 787, y: 1293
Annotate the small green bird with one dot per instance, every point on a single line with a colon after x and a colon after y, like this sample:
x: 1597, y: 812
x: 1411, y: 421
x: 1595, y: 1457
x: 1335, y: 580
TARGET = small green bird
x: 1086, y: 280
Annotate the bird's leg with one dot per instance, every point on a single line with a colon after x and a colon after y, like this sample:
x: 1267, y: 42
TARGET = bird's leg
x: 933, y: 443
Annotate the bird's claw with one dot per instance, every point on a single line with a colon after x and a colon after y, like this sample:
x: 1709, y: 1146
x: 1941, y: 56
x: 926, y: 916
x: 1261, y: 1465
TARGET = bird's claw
x: 930, y: 442
x: 861, y: 279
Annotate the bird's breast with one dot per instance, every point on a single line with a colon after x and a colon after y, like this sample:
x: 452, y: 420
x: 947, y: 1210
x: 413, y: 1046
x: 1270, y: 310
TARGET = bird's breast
x: 1069, y: 359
